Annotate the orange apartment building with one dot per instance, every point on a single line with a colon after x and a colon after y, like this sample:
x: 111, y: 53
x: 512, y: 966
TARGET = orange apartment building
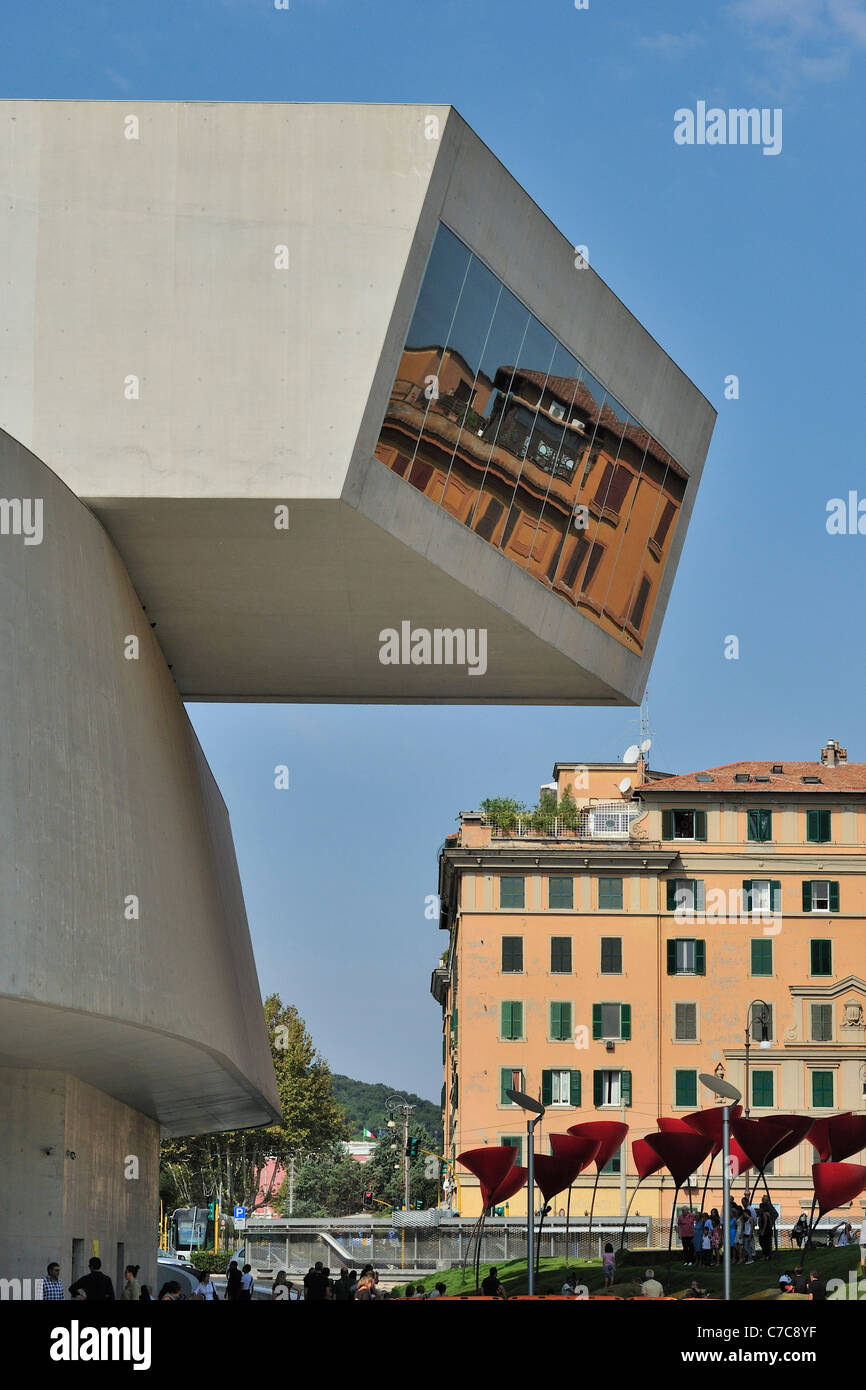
x: 602, y: 962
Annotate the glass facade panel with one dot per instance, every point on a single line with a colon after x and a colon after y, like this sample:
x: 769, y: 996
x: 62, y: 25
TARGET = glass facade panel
x: 498, y: 423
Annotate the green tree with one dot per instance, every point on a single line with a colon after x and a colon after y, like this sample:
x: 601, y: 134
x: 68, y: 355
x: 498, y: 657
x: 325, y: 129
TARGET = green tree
x: 386, y: 1168
x: 199, y: 1168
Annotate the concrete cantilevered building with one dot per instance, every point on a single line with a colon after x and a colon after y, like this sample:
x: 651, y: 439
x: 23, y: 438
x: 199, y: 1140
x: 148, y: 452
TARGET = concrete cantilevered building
x: 291, y: 377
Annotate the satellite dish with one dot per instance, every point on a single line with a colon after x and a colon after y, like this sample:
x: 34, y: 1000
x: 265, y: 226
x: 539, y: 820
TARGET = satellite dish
x: 646, y: 745
x: 631, y: 753
x: 625, y: 785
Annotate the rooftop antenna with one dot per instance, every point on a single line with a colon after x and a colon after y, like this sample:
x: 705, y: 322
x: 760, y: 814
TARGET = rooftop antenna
x: 645, y: 739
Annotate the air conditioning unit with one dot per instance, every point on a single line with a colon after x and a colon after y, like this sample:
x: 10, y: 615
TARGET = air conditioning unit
x: 608, y: 1046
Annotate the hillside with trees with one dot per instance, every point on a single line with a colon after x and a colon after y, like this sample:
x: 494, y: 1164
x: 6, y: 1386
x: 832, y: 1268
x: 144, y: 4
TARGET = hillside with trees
x: 364, y: 1106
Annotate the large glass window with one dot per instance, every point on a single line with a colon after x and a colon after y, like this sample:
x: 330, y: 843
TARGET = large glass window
x: 498, y: 423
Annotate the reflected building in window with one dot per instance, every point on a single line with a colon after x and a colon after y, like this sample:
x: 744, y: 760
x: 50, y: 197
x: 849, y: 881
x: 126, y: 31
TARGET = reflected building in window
x: 494, y: 420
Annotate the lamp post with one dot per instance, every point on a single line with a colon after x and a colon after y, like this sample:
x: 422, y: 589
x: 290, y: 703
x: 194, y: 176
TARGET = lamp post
x: 399, y: 1105
x: 729, y: 1096
x: 534, y: 1107
x: 763, y: 1019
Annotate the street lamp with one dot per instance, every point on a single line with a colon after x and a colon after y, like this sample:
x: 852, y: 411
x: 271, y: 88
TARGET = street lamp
x: 534, y: 1107
x: 764, y: 1016
x: 730, y: 1096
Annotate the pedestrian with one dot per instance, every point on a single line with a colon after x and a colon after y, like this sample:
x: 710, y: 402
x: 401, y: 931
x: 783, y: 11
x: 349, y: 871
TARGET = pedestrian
x: 695, y: 1290
x: 798, y: 1230
x: 52, y: 1285
x: 342, y: 1287
x: 233, y: 1281
x: 438, y: 1292
x: 366, y: 1291
x: 491, y: 1285
x: 95, y: 1286
x: 420, y: 1293
x: 686, y: 1232
x: 130, y: 1293
x: 766, y: 1226
x: 245, y: 1291
x: 651, y: 1288
x: 801, y: 1283
x: 817, y: 1287
x: 280, y: 1286
x: 608, y: 1265
x: 170, y: 1292
x: 748, y: 1234
x: 206, y: 1288
x: 706, y: 1242
x: 316, y: 1283
x: 146, y: 1295
x: 716, y: 1237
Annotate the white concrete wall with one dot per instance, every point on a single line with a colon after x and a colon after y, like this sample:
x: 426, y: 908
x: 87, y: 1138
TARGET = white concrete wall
x: 105, y: 794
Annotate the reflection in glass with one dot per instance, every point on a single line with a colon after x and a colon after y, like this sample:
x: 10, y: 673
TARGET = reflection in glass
x: 494, y: 420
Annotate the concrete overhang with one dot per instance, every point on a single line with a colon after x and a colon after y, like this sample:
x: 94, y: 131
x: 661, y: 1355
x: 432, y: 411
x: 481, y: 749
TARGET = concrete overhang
x: 205, y: 315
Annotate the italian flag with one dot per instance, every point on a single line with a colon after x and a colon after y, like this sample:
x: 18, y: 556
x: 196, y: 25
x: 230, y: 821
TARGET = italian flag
x: 368, y: 1133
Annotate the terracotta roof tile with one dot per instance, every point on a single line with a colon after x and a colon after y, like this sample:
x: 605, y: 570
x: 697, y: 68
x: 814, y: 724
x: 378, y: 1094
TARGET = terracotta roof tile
x: 847, y: 777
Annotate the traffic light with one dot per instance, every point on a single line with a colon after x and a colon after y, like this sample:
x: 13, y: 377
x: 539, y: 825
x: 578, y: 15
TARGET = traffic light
x: 413, y: 1148
x: 419, y: 1205
x: 368, y: 1199
x: 211, y: 1210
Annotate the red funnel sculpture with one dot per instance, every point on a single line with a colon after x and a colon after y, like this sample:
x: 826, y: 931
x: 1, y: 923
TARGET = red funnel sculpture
x: 847, y: 1136
x: 646, y: 1162
x: 759, y: 1137
x: 511, y: 1183
x: 709, y: 1124
x: 681, y: 1153
x: 673, y: 1125
x: 610, y: 1134
x: 491, y: 1166
x: 819, y: 1135
x: 837, y: 1183
x: 578, y: 1146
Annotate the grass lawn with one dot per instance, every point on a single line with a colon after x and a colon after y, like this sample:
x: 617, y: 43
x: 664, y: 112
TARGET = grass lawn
x: 747, y: 1281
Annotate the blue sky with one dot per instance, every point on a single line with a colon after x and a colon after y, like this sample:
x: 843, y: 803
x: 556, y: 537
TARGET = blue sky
x: 737, y: 263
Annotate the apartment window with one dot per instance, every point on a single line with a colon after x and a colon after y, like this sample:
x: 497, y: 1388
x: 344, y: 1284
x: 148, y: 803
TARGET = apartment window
x: 762, y: 895
x: 685, y: 1022
x: 762, y: 956
x: 560, y: 1087
x: 822, y: 957
x: 611, y: 1088
x: 609, y: 894
x: 614, y: 1163
x: 818, y: 827
x: 560, y: 955
x: 510, y: 1079
x: 687, y: 957
x: 762, y: 1089
x: 822, y: 1023
x: 511, y: 1019
x: 684, y: 825
x: 512, y: 955
x: 611, y: 1021
x: 820, y: 895
x: 760, y: 825
x: 560, y: 1022
x: 513, y: 1141
x: 611, y: 955
x: 762, y: 1022
x: 512, y: 890
x: 822, y: 1090
x: 686, y: 1089
x: 686, y: 895
x: 560, y: 892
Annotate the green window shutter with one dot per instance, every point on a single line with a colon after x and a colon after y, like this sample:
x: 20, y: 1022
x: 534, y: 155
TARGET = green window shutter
x: 700, y: 958
x: 700, y: 825
x: 596, y: 1021
x: 672, y: 957
x: 625, y: 1081
x: 775, y: 895
x: 812, y: 826
x: 625, y: 1021
x: 574, y: 1094
x: 762, y: 956
x: 822, y: 1089
x: 825, y: 825
x: 517, y: 1019
x: 597, y: 1088
x: 685, y: 1088
x: 822, y: 958
x: 546, y: 1088
x: 807, y: 895
x: 747, y: 895
x: 672, y: 894
x: 667, y: 825
x: 566, y: 1021
x: 699, y: 891
x: 505, y: 1020
x: 834, y: 897
x: 505, y: 1078
x: 762, y: 1088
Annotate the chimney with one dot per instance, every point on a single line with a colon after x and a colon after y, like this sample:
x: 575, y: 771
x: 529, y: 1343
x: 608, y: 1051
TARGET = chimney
x: 832, y: 755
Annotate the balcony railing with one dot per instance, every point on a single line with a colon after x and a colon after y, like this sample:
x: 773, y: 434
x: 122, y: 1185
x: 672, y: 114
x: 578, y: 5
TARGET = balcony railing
x: 604, y: 821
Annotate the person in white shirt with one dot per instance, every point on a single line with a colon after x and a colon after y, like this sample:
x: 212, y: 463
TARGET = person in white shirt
x: 247, y: 1285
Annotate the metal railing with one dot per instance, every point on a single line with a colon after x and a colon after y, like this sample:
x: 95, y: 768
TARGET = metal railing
x: 611, y: 821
